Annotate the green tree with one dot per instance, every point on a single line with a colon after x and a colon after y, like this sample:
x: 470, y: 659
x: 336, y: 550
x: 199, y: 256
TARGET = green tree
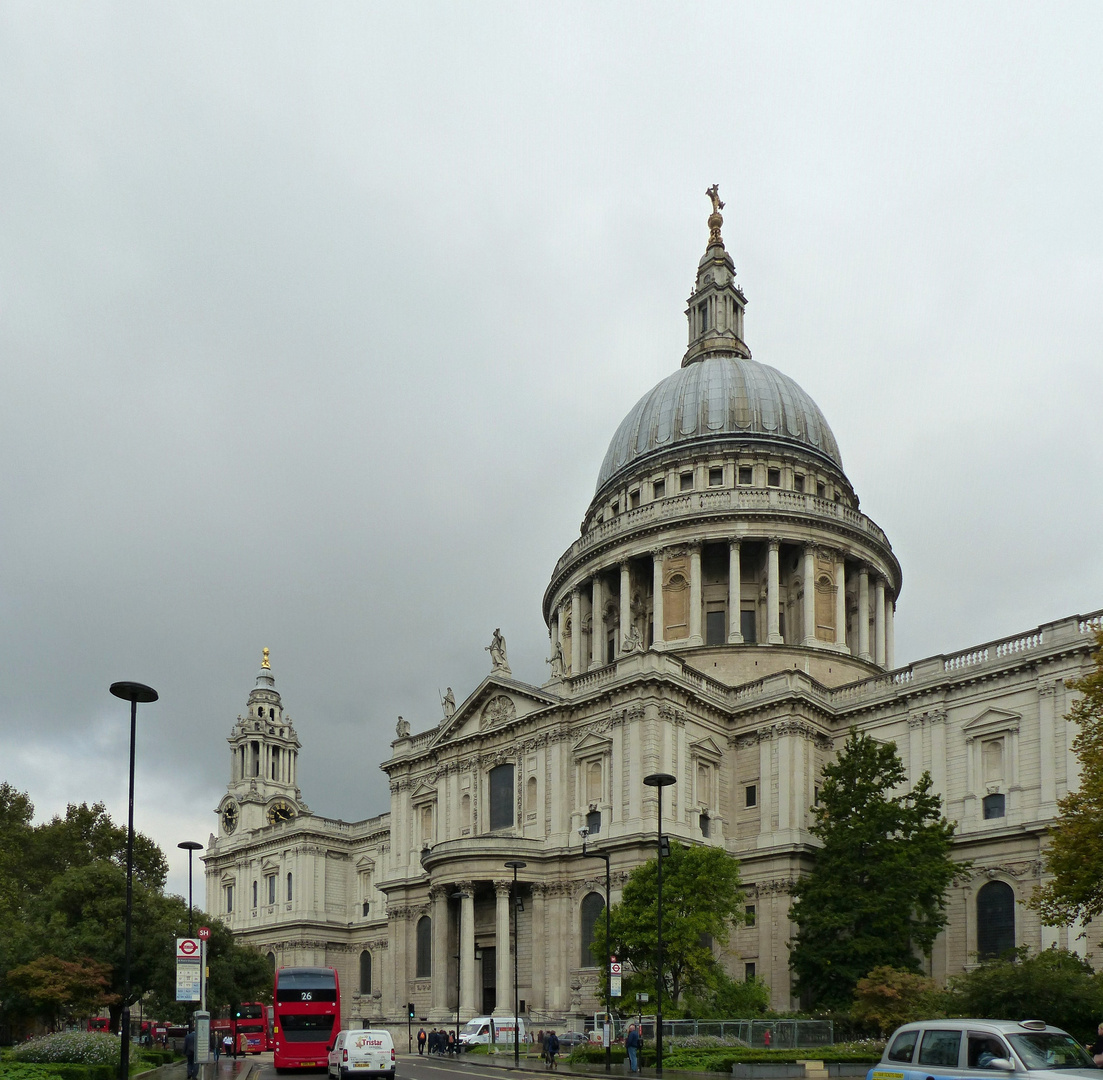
x: 1074, y: 856
x: 51, y: 988
x: 876, y: 895
x: 1054, y: 985
x: 888, y: 997
x: 701, y: 902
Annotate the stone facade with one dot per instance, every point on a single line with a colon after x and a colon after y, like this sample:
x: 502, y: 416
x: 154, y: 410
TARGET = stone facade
x: 726, y: 616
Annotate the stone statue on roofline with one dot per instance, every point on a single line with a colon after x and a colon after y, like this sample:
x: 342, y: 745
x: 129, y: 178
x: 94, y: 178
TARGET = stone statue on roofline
x: 497, y: 650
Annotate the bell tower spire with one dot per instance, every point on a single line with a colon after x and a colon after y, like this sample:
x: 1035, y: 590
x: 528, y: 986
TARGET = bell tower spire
x: 716, y: 305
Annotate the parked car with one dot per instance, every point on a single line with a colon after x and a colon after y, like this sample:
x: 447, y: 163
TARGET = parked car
x: 979, y: 1049
x: 361, y: 1050
x: 568, y: 1039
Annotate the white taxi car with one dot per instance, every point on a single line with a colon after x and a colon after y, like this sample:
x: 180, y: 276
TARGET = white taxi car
x: 982, y: 1050
x: 364, y: 1051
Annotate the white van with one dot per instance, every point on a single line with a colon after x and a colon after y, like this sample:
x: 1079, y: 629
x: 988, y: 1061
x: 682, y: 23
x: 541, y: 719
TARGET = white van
x: 361, y: 1050
x: 491, y: 1029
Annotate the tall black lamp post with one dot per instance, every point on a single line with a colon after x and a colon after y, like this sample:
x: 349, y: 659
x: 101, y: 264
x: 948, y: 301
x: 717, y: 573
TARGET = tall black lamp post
x: 132, y: 692
x: 659, y: 780
x: 189, y: 846
x: 584, y: 832
x: 515, y: 865
x: 461, y: 897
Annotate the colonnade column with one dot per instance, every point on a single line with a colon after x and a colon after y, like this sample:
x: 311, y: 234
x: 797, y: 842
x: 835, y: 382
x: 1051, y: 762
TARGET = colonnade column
x: 657, y: 597
x: 469, y: 1004
x: 438, y: 896
x: 890, y: 632
x: 560, y: 620
x: 840, y: 602
x: 773, y: 595
x: 625, y: 605
x: 597, y: 623
x: 576, y: 632
x: 879, y: 622
x: 809, y: 611
x: 735, y: 598
x: 503, y: 999
x: 863, y: 614
x: 695, y: 637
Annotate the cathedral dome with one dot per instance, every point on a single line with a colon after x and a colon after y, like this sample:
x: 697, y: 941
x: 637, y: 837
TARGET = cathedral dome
x: 725, y: 397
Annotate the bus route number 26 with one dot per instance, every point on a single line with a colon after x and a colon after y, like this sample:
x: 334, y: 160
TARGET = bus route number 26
x: 305, y: 995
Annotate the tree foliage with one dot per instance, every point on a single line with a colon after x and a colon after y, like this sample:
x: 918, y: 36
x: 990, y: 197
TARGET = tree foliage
x: 702, y: 900
x: 1074, y: 857
x: 888, y: 997
x: 1054, y: 985
x: 877, y: 893
x: 47, y: 986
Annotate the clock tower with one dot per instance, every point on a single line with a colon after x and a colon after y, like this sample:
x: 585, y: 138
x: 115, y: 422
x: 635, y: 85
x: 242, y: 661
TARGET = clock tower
x: 264, y: 752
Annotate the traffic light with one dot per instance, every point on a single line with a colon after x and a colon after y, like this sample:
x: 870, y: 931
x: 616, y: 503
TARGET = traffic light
x: 664, y: 847
x: 410, y: 1010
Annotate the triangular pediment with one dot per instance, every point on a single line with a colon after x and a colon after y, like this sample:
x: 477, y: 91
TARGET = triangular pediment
x: 496, y: 702
x: 706, y: 748
x: 991, y: 722
x: 364, y: 865
x: 591, y: 744
x: 423, y: 791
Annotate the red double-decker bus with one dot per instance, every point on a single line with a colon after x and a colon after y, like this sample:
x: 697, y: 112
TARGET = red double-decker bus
x: 251, y: 1020
x: 99, y: 1023
x: 307, y: 1016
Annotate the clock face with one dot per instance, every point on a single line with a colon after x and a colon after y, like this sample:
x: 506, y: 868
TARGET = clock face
x: 280, y: 811
x: 229, y: 817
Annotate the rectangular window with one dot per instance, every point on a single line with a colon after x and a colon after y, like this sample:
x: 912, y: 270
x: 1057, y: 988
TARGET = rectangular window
x: 748, y: 972
x: 271, y: 888
x: 229, y: 898
x: 593, y: 822
x: 367, y: 908
x: 773, y: 477
x: 995, y: 806
x: 716, y: 632
x: 501, y: 797
x: 610, y: 650
x: 751, y: 795
x: 781, y: 624
x: 685, y: 482
x: 749, y: 912
x: 716, y: 477
x: 704, y: 822
x: 821, y: 489
x: 658, y: 489
x: 903, y: 1046
x: 633, y: 499
x: 940, y: 1048
x: 746, y: 474
x: 798, y: 482
x: 615, y: 508
x: 747, y: 626
x: 703, y: 312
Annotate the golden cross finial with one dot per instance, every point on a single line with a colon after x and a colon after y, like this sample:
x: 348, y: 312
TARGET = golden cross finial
x: 264, y: 662
x: 716, y: 219
x: 714, y: 194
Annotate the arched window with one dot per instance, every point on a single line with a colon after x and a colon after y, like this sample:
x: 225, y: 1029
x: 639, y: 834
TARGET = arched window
x: 254, y: 894
x: 995, y: 920
x: 289, y: 886
x: 424, y: 969
x: 465, y: 812
x: 365, y: 972
x: 593, y: 781
x: 501, y: 797
x: 272, y: 960
x: 593, y: 904
x: 530, y: 795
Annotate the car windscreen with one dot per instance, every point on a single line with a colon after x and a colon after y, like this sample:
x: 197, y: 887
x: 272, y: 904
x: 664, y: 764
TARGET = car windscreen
x: 1050, y: 1050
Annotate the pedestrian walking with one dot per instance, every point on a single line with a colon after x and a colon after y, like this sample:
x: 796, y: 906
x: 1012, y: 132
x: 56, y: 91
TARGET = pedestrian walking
x: 228, y: 1044
x: 451, y: 1043
x: 216, y: 1046
x: 189, y: 1054
x: 632, y: 1043
x: 551, y: 1050
x: 420, y: 1041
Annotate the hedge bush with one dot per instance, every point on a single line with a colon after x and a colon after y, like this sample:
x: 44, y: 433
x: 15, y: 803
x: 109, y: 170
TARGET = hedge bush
x: 94, y: 1048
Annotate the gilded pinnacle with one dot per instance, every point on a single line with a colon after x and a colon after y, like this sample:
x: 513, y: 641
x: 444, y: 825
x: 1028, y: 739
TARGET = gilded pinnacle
x: 264, y: 659
x: 716, y: 219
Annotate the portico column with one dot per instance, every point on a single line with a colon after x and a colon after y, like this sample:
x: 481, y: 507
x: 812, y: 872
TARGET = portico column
x: 890, y: 632
x: 439, y: 970
x: 840, y: 602
x: 539, y: 948
x: 735, y: 626
x: 773, y: 595
x: 597, y: 624
x: 576, y: 631
x: 560, y: 620
x: 863, y: 614
x: 879, y: 621
x: 503, y: 999
x: 695, y: 595
x: 468, y: 997
x: 625, y: 605
x: 809, y: 611
x: 657, y: 598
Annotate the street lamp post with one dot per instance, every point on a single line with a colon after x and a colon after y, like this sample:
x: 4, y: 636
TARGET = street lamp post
x: 515, y: 865
x: 659, y: 780
x: 132, y: 692
x: 460, y: 896
x: 584, y: 832
x: 189, y: 846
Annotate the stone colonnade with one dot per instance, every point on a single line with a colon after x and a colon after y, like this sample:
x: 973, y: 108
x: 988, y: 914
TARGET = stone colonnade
x: 875, y: 604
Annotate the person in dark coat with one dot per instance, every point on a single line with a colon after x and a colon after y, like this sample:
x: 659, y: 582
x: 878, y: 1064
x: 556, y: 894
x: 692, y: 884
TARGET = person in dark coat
x: 420, y: 1041
x: 189, y: 1054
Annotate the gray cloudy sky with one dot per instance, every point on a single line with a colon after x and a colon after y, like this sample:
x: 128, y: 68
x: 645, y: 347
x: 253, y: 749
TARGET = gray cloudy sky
x: 317, y: 320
